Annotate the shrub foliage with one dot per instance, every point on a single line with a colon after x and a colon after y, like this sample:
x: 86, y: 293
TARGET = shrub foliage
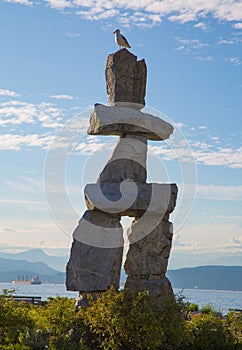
x: 116, y: 320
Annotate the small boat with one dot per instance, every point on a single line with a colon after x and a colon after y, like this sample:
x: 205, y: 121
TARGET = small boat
x: 25, y: 280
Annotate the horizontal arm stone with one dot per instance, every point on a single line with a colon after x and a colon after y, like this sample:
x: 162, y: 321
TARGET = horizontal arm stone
x: 130, y: 198
x: 107, y: 120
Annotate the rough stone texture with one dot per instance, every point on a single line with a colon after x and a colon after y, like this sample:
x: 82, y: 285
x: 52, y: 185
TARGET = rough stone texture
x: 125, y: 78
x: 148, y: 257
x: 128, y: 161
x: 99, y: 229
x: 132, y: 199
x: 106, y: 120
x: 121, y: 189
x: 158, y: 288
x: 95, y: 268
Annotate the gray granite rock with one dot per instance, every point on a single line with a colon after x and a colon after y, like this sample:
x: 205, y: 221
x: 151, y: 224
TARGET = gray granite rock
x: 99, y: 229
x: 128, y: 161
x: 107, y: 120
x: 160, y: 289
x: 148, y: 257
x: 131, y: 199
x: 91, y: 267
x: 125, y: 78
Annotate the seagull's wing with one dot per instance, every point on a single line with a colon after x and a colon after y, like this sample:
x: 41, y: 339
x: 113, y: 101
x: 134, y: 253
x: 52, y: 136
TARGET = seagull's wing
x: 125, y: 40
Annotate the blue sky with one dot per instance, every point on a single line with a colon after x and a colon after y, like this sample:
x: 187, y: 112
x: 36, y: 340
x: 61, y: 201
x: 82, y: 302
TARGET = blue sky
x: 53, y: 56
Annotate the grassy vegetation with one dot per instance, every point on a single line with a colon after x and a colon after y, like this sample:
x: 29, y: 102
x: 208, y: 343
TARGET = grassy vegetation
x: 116, y: 320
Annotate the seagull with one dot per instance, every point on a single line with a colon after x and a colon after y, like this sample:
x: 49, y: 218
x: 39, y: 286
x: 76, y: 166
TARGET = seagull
x: 121, y: 40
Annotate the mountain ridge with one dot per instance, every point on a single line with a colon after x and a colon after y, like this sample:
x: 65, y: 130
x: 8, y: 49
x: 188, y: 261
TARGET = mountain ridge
x: 8, y: 265
x: 38, y: 255
x: 203, y: 277
x: 207, y: 277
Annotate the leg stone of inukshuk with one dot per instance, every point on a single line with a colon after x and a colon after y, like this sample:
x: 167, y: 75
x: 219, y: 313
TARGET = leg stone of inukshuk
x: 147, y: 258
x: 96, y: 253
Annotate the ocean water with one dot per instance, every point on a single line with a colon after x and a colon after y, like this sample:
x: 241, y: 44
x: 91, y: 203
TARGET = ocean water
x: 221, y: 300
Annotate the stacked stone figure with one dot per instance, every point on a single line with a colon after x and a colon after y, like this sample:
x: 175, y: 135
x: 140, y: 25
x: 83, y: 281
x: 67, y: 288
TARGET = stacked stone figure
x: 121, y: 189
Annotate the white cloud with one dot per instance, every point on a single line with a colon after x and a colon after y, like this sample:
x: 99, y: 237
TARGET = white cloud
x: 25, y: 233
x: 192, y: 43
x: 49, y: 115
x: 59, y: 4
x: 63, y: 97
x: 92, y: 147
x: 226, y: 42
x: 201, y: 25
x: 229, y: 157
x: 214, y: 192
x: 73, y: 35
x: 233, y: 245
x: 26, y: 184
x: 209, y: 237
x: 97, y: 13
x: 207, y: 151
x: 6, y: 92
x: 21, y: 2
x: 18, y: 112
x: 13, y: 142
x: 184, y: 17
x: 179, y: 11
x: 193, y: 46
x: 238, y: 25
x: 235, y: 60
x: 205, y: 58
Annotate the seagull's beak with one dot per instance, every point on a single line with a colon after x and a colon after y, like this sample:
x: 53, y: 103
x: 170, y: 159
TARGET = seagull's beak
x: 114, y: 32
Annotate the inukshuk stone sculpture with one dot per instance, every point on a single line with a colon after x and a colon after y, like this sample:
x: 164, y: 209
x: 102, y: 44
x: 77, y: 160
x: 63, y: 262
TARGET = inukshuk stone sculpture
x: 121, y: 189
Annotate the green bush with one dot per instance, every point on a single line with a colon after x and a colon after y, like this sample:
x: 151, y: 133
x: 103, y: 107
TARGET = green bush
x: 14, y: 320
x: 54, y: 323
x: 116, y: 320
x: 126, y: 321
x: 209, y: 332
x: 234, y: 324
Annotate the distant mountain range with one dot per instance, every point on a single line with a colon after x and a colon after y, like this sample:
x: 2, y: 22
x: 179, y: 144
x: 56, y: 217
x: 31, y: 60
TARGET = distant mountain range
x: 207, y: 277
x: 36, y: 262
x: 38, y: 255
x: 11, y: 269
